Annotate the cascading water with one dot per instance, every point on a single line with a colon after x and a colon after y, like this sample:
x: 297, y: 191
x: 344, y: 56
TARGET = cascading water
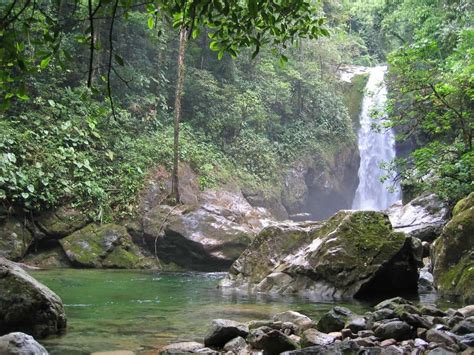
x: 375, y: 147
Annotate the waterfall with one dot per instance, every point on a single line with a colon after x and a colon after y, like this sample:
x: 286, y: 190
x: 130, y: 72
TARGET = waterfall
x: 375, y: 147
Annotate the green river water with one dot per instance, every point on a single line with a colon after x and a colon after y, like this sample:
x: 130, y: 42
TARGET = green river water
x: 143, y: 310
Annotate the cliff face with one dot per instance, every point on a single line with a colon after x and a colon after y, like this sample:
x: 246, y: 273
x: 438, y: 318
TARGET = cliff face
x: 317, y: 188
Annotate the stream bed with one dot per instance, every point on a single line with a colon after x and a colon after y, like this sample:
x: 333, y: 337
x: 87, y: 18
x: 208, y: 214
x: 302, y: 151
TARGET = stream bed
x: 144, y: 310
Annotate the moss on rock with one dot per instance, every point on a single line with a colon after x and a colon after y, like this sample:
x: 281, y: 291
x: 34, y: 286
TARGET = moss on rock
x: 106, y: 246
x: 15, y: 239
x: 453, y: 254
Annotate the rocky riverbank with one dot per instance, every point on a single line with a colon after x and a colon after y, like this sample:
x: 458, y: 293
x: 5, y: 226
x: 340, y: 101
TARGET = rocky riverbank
x: 394, y: 327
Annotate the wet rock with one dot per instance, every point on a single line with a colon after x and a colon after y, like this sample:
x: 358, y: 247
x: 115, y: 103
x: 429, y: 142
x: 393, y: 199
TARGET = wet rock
x: 312, y: 337
x: 235, y: 345
x: 365, y: 333
x: 430, y: 310
x: 463, y: 327
x: 392, y: 350
x: 365, y: 342
x: 426, y: 280
x: 224, y: 330
x: 415, y: 320
x: 27, y: 305
x: 182, y: 347
x: 347, y: 333
x: 301, y: 321
x: 391, y: 303
x: 440, y: 351
x: 338, y: 348
x: 420, y: 343
x: 357, y: 324
x: 397, y: 330
x: 453, y: 254
x: 422, y: 218
x: 388, y: 342
x: 61, y: 222
x: 49, y: 257
x: 20, y: 344
x: 334, y: 320
x: 467, y: 311
x: 353, y: 254
x: 15, y: 239
x: 384, y: 313
x: 439, y: 337
x: 468, y: 340
x: 105, y: 246
x: 270, y: 341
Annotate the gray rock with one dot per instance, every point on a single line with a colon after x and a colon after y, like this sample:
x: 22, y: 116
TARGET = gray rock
x: 440, y: 351
x: 20, y: 344
x: 421, y: 343
x: 182, y: 347
x: 467, y: 311
x: 270, y: 341
x: 334, y: 320
x: 15, y: 239
x: 27, y: 305
x: 340, y: 348
x: 415, y: 320
x: 301, y: 321
x: 423, y: 217
x: 365, y: 342
x: 312, y: 337
x: 463, y: 327
x: 59, y: 223
x: 439, y: 337
x: 384, y: 313
x: 431, y: 310
x: 224, y: 330
x: 391, y: 303
x: 392, y: 350
x: 357, y: 324
x: 235, y: 345
x: 468, y: 340
x: 397, y: 330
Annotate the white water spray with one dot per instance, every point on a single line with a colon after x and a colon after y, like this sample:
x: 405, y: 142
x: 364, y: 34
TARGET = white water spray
x: 375, y: 147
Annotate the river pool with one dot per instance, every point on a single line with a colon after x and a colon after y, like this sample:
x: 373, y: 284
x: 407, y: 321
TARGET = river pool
x: 144, y: 310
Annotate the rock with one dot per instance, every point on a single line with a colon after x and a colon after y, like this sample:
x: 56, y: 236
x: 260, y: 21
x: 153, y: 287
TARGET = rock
x: 422, y: 218
x: 180, y: 348
x: 430, y: 310
x: 391, y: 303
x: 365, y: 333
x: 340, y: 348
x: 49, y: 257
x: 453, y: 254
x: 61, y: 222
x: 426, y: 280
x: 467, y: 340
x: 384, y: 313
x: 464, y: 327
x: 27, y: 305
x: 357, y: 324
x: 346, y: 333
x: 440, y: 351
x: 270, y: 341
x: 392, y: 350
x: 224, y: 330
x: 105, y: 246
x: 420, y: 343
x: 301, y: 321
x: 353, y: 254
x: 235, y: 345
x: 209, y: 237
x: 439, y: 337
x: 20, y: 344
x: 397, y: 330
x: 364, y: 342
x: 312, y: 337
x: 334, y: 320
x: 415, y: 320
x: 388, y: 342
x: 467, y: 311
x: 15, y: 239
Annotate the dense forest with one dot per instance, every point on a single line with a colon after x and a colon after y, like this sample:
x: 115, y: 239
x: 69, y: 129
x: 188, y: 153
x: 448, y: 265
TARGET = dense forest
x: 87, y: 133
x: 194, y: 137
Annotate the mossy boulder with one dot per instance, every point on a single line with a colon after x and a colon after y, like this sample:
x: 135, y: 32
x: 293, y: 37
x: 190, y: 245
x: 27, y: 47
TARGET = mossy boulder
x: 353, y: 254
x: 15, y: 238
x: 104, y: 246
x: 453, y: 254
x: 61, y: 222
x: 27, y: 305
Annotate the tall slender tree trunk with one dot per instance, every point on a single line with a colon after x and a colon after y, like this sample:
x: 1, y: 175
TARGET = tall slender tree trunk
x: 183, y: 36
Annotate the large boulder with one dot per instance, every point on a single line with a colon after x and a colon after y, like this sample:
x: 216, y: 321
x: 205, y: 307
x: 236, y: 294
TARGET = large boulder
x: 61, y: 222
x: 207, y: 237
x: 424, y: 217
x: 27, y: 305
x: 20, y: 344
x: 224, y: 330
x: 453, y: 254
x: 105, y: 246
x: 353, y: 254
x: 15, y: 238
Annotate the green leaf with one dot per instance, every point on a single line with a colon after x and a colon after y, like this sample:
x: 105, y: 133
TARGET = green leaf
x: 45, y: 61
x: 25, y: 195
x: 31, y: 188
x: 119, y: 60
x: 151, y: 22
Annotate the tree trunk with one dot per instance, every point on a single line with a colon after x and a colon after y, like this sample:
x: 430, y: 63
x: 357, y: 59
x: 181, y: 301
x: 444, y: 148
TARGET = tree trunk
x: 183, y: 35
